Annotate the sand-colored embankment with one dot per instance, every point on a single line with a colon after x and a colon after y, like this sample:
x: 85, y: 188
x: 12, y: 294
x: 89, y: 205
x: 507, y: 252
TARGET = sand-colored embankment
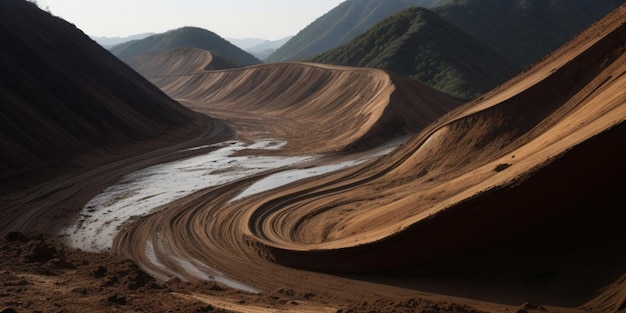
x: 179, y: 61
x: 477, y: 148
x: 316, y: 108
x: 477, y: 189
x: 171, y: 62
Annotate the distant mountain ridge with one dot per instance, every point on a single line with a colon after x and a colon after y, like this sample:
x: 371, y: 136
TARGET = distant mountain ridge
x: 338, y: 26
x: 245, y: 43
x: 185, y: 37
x: 420, y: 44
x: 109, y: 42
x: 264, y: 49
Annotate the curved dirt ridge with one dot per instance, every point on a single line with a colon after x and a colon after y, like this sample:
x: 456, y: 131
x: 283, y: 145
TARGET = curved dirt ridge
x: 316, y: 108
x: 171, y: 62
x: 486, y: 160
x: 475, y: 149
x: 178, y: 61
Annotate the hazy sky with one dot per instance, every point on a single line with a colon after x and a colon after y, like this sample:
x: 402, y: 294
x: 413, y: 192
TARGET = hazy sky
x: 267, y: 19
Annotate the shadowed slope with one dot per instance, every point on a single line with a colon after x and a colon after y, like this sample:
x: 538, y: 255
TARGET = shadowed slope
x: 61, y: 93
x: 315, y: 108
x: 496, y: 184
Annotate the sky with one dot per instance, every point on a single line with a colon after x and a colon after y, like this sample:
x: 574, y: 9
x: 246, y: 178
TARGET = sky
x: 266, y: 19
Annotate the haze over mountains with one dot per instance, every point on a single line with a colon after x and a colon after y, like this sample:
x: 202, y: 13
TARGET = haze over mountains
x: 264, y: 49
x: 109, y: 42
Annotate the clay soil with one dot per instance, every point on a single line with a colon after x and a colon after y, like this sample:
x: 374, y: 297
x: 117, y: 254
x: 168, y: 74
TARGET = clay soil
x: 510, y: 203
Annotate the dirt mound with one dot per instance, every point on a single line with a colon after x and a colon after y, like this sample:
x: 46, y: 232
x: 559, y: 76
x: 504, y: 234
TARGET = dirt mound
x: 315, y: 108
x: 180, y: 61
x: 34, y: 281
x: 471, y: 194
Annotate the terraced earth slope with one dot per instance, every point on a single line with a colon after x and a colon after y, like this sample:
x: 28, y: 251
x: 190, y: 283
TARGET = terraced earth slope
x: 316, y: 108
x: 512, y: 202
x: 513, y: 196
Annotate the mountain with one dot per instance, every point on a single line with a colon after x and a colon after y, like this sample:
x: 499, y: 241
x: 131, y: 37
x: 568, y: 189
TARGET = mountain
x: 269, y: 44
x: 419, y: 44
x: 186, y: 37
x: 264, y: 49
x: 524, y: 30
x: 245, y: 43
x: 62, y: 94
x: 338, y: 26
x: 109, y: 42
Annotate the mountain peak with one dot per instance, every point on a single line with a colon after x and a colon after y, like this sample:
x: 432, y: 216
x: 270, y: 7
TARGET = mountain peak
x: 185, y: 37
x: 420, y: 44
x: 340, y: 25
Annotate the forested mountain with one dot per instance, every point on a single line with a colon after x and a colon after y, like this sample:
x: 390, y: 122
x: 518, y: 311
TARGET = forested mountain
x: 340, y: 25
x: 524, y: 30
x: 419, y: 44
x: 186, y: 37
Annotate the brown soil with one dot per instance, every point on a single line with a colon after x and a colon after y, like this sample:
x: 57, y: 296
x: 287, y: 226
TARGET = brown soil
x: 510, y: 200
x: 39, y: 275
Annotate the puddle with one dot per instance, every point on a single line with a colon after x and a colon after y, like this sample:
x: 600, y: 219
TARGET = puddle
x: 151, y: 189
x: 289, y: 176
x: 141, y: 192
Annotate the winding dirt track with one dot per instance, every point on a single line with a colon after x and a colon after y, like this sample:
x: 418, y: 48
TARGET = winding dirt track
x: 523, y: 155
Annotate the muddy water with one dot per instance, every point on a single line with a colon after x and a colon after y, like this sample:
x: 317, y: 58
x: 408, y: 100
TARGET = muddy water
x: 142, y: 192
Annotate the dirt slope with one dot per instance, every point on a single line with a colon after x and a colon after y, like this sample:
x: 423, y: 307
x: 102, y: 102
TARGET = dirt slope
x: 472, y: 194
x: 178, y: 62
x: 316, y: 108
x: 510, y: 200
